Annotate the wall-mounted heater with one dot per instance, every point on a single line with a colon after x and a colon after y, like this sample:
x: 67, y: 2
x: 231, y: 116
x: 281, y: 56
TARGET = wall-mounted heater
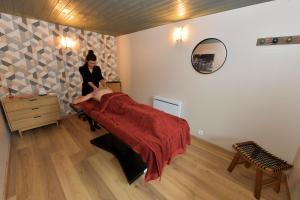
x: 170, y: 106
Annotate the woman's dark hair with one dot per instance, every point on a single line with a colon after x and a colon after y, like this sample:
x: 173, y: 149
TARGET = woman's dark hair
x: 90, y: 56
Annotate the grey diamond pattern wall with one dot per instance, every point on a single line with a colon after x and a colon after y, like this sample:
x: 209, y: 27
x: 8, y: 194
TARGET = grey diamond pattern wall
x: 32, y: 57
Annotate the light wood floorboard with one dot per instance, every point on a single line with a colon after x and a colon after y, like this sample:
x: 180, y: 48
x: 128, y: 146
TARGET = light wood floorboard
x: 59, y: 163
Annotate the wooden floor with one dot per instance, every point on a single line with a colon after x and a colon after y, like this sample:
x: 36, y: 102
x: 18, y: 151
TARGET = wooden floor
x: 59, y: 163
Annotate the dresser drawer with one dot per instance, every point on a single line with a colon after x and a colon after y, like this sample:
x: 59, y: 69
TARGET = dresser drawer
x: 35, y: 121
x: 32, y: 112
x: 20, y: 104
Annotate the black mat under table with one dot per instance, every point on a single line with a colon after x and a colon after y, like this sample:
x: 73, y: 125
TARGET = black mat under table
x: 131, y: 162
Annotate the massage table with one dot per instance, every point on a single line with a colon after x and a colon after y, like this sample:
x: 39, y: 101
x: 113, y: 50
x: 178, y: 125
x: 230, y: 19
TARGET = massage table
x: 139, y: 134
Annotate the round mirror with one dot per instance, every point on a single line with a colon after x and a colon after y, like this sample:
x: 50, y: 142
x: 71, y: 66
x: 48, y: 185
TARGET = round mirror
x: 209, y: 55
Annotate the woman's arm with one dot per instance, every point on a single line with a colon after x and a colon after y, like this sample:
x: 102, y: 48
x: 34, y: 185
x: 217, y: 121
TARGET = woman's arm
x: 84, y: 75
x: 100, y: 78
x: 92, y: 85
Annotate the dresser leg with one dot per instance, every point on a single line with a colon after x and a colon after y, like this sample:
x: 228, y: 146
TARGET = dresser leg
x: 57, y: 123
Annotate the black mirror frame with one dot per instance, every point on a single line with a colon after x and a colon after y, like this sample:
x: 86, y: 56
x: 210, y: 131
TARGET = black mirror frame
x: 198, y: 45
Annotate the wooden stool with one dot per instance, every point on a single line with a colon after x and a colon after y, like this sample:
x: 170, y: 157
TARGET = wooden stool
x: 265, y: 163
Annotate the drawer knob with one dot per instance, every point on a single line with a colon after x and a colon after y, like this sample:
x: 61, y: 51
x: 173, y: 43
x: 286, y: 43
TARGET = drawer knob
x: 32, y: 99
x: 36, y: 116
x: 34, y: 108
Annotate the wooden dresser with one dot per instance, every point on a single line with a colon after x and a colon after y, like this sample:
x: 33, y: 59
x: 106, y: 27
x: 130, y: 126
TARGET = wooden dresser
x: 25, y: 114
x: 114, y: 85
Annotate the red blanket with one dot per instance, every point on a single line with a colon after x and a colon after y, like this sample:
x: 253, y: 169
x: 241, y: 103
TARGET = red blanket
x: 155, y: 135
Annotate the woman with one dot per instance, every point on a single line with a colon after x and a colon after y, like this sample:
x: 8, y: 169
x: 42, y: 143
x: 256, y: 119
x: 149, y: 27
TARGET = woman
x: 91, y: 76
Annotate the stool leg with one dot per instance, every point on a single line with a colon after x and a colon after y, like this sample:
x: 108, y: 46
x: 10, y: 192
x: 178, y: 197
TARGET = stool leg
x: 277, y: 185
x: 234, y: 162
x: 258, y: 183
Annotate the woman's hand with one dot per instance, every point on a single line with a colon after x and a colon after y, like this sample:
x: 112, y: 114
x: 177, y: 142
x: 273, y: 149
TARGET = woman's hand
x: 95, y: 89
x: 103, y: 83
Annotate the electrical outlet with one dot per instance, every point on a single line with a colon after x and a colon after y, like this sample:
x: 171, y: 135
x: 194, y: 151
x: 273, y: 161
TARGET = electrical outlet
x: 200, y: 132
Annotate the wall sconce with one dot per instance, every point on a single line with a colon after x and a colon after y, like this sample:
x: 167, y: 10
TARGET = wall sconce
x: 67, y: 42
x: 178, y: 34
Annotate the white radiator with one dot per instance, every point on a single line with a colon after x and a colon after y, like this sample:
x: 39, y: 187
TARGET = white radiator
x: 172, y: 107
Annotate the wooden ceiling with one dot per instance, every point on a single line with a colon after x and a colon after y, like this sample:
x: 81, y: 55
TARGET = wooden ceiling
x: 118, y: 17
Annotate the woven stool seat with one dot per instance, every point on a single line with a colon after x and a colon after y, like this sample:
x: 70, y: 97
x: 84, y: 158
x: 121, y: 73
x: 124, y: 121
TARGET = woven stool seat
x: 261, y: 158
x: 250, y: 153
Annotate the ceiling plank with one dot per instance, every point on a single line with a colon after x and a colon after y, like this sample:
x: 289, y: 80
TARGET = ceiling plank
x: 59, y: 7
x: 118, y: 17
x: 47, y: 9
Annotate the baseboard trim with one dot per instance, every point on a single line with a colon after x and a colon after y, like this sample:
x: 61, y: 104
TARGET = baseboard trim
x: 214, y: 146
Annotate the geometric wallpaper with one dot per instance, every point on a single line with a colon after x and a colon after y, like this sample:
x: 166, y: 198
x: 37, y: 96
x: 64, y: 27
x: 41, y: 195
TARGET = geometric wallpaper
x: 31, y: 57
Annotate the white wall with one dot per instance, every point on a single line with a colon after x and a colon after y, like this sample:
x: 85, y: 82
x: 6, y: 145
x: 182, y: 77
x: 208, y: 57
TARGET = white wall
x: 254, y: 96
x: 4, y: 155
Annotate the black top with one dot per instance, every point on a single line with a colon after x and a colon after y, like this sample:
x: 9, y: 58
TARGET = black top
x: 87, y: 76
